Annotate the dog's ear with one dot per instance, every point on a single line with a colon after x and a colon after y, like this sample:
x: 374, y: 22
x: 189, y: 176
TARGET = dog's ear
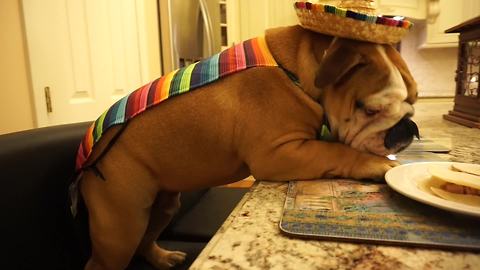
x: 339, y: 60
x: 397, y: 60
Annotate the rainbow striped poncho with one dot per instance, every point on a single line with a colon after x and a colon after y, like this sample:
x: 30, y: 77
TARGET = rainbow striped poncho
x: 250, y: 53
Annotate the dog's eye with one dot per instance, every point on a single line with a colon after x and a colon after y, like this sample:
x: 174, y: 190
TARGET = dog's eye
x: 359, y: 104
x: 371, y: 112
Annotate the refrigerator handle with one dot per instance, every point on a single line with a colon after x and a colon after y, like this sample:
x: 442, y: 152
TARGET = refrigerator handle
x: 208, y: 26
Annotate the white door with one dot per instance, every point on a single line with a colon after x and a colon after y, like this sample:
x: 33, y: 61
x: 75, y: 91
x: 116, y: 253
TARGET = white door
x: 84, y: 55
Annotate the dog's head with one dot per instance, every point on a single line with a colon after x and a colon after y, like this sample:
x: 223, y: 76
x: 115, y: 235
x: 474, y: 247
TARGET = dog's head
x: 367, y: 93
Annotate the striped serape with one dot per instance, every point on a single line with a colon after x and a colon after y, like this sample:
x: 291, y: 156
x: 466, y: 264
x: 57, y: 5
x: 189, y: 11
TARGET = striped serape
x: 250, y: 53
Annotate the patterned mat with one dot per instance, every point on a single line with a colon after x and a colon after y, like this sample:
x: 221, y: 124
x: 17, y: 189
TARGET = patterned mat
x: 372, y: 213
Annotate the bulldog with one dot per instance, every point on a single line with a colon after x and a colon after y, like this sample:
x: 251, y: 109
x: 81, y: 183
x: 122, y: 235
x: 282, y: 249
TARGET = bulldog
x: 255, y: 122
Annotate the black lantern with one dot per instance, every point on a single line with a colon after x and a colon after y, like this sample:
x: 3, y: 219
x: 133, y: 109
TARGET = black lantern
x: 467, y: 96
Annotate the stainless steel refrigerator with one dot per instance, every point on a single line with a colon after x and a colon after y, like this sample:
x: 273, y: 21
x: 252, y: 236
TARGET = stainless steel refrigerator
x: 189, y: 31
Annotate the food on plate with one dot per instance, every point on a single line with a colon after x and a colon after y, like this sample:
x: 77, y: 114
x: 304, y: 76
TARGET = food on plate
x: 460, y: 186
x: 459, y: 178
x: 468, y: 168
x: 473, y: 200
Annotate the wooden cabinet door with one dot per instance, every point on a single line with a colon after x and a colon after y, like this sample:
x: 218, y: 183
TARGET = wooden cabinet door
x: 450, y: 13
x: 255, y: 16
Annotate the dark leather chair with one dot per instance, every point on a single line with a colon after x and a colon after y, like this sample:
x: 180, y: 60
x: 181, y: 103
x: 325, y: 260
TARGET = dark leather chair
x: 37, y: 228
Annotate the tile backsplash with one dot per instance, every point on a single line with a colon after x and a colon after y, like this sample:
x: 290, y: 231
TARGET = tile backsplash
x: 433, y: 68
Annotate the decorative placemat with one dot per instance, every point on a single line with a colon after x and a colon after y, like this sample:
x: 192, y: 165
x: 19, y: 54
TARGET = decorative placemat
x: 367, y: 212
x: 405, y: 157
x: 427, y: 145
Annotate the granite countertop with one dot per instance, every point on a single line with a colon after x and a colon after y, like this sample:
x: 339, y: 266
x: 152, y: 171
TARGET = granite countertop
x: 250, y: 237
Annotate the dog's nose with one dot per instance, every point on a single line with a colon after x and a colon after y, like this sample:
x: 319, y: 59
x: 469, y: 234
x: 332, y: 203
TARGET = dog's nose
x: 401, y: 134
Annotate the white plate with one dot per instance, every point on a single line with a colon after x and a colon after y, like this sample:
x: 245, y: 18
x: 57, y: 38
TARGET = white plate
x: 406, y: 178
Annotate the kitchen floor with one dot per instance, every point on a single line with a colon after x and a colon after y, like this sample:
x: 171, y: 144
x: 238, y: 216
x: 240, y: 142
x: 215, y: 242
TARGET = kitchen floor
x: 429, y: 117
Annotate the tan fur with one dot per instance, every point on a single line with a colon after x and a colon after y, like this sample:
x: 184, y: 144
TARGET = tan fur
x: 254, y: 122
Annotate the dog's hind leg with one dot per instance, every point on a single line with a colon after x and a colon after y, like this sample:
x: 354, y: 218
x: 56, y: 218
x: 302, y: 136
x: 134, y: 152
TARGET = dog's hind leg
x: 118, y: 211
x: 165, y: 206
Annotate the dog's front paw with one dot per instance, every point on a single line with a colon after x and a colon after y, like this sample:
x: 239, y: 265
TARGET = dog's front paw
x: 164, y: 259
x: 172, y: 258
x: 369, y: 166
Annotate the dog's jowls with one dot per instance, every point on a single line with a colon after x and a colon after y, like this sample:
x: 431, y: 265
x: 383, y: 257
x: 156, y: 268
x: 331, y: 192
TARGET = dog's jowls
x: 253, y: 122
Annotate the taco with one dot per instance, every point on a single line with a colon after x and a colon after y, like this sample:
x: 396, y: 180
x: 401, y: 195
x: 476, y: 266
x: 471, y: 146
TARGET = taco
x: 456, y: 186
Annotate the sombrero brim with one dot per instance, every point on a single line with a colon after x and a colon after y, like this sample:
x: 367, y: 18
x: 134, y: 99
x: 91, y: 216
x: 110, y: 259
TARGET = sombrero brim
x: 345, y: 23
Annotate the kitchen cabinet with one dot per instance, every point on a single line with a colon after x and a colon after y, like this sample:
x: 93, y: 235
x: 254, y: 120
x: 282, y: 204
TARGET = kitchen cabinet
x: 450, y: 13
x: 413, y: 9
x: 443, y: 15
x: 438, y: 15
x: 231, y: 23
x: 250, y: 18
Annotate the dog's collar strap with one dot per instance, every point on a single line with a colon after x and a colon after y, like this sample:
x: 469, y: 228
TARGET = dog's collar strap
x: 248, y: 54
x: 325, y: 134
x: 291, y: 76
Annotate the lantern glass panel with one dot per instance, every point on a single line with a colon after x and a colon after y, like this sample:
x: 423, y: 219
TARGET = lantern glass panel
x: 471, y: 78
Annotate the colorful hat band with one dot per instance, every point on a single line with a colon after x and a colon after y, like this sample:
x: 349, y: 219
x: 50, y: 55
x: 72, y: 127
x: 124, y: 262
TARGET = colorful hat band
x: 353, y: 15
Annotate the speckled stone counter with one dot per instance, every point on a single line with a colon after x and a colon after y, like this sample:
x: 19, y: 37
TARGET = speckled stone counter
x: 250, y: 238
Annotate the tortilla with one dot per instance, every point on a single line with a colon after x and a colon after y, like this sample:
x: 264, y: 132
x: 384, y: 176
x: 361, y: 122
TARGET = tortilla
x: 426, y: 184
x: 467, y: 168
x: 472, y: 200
x: 459, y: 178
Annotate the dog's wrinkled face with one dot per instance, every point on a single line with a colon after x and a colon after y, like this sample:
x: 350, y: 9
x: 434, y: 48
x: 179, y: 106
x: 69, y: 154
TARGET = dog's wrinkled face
x: 367, y: 93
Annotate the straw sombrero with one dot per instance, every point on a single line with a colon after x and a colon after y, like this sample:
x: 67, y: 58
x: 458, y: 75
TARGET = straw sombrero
x: 354, y: 19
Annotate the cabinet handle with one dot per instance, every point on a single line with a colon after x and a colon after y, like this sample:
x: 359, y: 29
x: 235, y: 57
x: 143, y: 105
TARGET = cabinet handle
x: 48, y: 99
